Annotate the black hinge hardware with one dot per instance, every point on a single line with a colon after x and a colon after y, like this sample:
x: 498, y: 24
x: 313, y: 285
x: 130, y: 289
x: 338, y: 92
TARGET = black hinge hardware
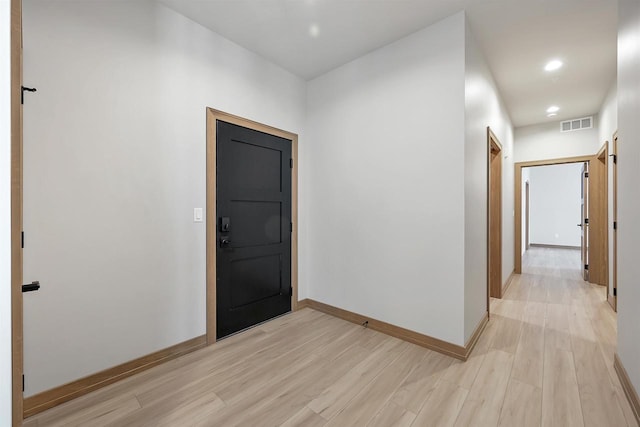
x: 22, y: 382
x: 586, y: 174
x: 291, y: 163
x: 586, y: 220
x: 586, y: 267
x: 291, y: 227
x: 27, y: 89
x: 615, y: 157
x: 290, y: 292
x: 22, y: 240
x: 615, y: 225
x: 615, y: 292
x: 33, y: 286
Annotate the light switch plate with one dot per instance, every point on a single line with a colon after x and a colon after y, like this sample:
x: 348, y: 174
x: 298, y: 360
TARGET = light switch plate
x: 197, y: 214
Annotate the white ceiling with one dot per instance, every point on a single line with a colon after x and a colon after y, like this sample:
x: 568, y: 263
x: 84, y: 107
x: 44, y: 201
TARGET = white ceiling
x: 517, y: 36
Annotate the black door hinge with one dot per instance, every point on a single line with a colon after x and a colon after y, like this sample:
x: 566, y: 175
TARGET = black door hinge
x: 586, y: 220
x: 290, y: 292
x: 22, y: 382
x: 615, y: 292
x: 615, y: 225
x: 586, y: 267
x: 291, y: 163
x: 31, y: 287
x: 26, y: 89
x: 22, y: 239
x: 615, y: 157
x: 291, y: 227
x: 586, y: 174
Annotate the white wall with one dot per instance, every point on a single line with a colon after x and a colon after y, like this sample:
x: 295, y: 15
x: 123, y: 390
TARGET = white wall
x: 555, y: 194
x: 483, y: 107
x: 114, y: 165
x: 526, y: 177
x: 386, y: 225
x: 628, y: 179
x: 607, y: 125
x: 608, y: 116
x: 5, y: 214
x: 545, y: 141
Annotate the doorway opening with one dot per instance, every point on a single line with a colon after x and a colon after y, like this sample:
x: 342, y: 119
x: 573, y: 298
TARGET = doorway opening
x: 589, y: 196
x: 555, y: 205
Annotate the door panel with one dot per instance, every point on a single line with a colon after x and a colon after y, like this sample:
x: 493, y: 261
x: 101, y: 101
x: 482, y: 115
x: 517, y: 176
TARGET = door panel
x: 16, y: 215
x: 255, y: 279
x: 253, y: 255
x: 255, y: 223
x: 598, y: 219
x: 584, y: 222
x: 255, y: 167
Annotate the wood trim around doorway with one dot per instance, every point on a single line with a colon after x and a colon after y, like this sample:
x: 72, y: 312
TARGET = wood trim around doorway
x: 612, y: 291
x: 17, y: 360
x: 212, y: 117
x: 517, y: 246
x: 599, y: 217
x: 527, y: 213
x: 494, y: 217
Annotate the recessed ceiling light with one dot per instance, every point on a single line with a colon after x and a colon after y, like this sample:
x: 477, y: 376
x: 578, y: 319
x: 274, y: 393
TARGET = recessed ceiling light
x: 314, y: 30
x: 553, y: 109
x: 553, y: 65
x: 552, y: 114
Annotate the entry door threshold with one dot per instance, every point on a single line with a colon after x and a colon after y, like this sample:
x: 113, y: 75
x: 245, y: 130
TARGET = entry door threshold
x: 254, y: 326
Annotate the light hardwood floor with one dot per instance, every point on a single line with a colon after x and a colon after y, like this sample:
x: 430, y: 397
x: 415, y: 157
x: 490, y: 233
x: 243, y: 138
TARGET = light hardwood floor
x: 545, y: 358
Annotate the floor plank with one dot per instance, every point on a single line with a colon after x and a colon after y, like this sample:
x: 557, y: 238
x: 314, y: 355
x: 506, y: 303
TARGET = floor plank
x: 338, y: 395
x: 560, y: 396
x: 522, y: 405
x: 305, y: 417
x: 364, y: 405
x: 443, y: 406
x: 392, y: 415
x: 419, y: 384
x: 484, y: 401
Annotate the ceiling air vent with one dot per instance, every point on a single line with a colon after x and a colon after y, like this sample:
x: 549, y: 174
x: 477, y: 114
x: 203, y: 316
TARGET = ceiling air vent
x: 576, y: 124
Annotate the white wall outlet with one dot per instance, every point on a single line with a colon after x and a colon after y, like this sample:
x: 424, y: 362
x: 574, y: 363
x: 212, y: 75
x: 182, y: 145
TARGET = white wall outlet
x: 197, y: 214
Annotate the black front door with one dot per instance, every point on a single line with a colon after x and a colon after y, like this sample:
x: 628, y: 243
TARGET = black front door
x: 253, y: 260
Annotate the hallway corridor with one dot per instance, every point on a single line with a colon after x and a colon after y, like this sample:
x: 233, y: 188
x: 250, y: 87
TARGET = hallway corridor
x: 558, y: 335
x: 545, y: 358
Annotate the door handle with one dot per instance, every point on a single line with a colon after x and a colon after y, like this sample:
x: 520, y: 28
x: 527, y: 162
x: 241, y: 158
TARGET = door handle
x: 33, y: 286
x: 579, y: 225
x: 224, y: 242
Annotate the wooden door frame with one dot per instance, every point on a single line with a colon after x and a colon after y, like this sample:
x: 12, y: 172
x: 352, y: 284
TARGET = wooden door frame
x: 613, y: 299
x: 517, y: 252
x: 17, y: 360
x: 212, y: 116
x: 527, y: 213
x: 493, y: 146
x: 599, y: 217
